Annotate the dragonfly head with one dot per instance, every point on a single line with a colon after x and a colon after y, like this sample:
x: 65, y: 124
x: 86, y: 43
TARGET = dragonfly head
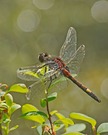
x: 43, y: 57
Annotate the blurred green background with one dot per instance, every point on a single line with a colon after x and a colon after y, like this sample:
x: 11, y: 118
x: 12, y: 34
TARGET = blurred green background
x: 29, y: 27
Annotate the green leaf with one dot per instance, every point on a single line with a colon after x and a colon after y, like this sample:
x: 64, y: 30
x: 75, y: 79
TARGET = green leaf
x: 28, y: 108
x: 39, y: 130
x: 53, y: 112
x: 74, y: 133
x: 76, y: 128
x: 68, y: 121
x: 35, y: 126
x: 52, y: 96
x: 64, y: 120
x: 35, y: 113
x: 31, y: 73
x: 83, y: 117
x: 40, y: 73
x: 49, y: 98
x: 7, y: 120
x: 58, y: 127
x: 59, y: 115
x: 43, y: 70
x: 21, y: 88
x: 9, y: 99
x: 102, y: 128
x: 42, y: 114
x: 30, y: 112
x: 13, y: 128
x: 3, y: 106
x: 43, y: 102
x: 34, y: 117
x: 14, y: 107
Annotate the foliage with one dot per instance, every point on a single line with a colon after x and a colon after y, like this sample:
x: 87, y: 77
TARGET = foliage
x: 60, y: 122
x: 48, y: 122
x: 8, y: 106
x: 53, y: 122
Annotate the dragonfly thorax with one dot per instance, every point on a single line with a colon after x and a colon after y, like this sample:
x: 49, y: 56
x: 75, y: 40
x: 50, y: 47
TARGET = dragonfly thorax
x: 60, y: 63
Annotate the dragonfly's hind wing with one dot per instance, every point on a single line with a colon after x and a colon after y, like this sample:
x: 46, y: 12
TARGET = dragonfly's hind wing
x: 38, y: 74
x: 69, y: 46
x: 76, y: 60
x: 37, y: 89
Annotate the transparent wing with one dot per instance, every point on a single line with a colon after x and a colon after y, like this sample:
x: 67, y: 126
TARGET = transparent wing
x: 28, y: 73
x: 69, y: 46
x: 34, y: 73
x: 37, y: 91
x: 38, y: 75
x: 76, y: 60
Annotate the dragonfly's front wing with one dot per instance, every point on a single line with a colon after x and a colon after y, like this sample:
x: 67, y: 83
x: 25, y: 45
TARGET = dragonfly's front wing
x: 32, y: 73
x: 69, y: 46
x: 44, y: 73
x: 28, y: 75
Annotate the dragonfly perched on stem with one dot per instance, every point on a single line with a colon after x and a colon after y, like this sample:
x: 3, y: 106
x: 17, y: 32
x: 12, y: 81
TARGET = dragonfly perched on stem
x: 66, y: 64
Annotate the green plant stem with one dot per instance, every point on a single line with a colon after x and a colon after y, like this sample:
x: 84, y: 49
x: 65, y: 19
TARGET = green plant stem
x: 6, y: 129
x: 0, y: 129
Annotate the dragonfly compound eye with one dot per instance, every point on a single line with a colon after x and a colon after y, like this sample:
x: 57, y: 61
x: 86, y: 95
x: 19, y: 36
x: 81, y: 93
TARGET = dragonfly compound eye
x: 42, y: 57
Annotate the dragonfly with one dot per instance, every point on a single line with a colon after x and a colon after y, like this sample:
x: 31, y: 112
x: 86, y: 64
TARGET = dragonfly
x: 66, y: 64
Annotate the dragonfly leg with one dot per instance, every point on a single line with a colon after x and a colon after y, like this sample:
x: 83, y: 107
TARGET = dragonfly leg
x: 51, y: 79
x: 36, y: 67
x: 29, y: 67
x: 32, y: 85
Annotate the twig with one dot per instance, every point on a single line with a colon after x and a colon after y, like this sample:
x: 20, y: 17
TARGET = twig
x: 48, y: 111
x: 94, y: 130
x: 49, y: 115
